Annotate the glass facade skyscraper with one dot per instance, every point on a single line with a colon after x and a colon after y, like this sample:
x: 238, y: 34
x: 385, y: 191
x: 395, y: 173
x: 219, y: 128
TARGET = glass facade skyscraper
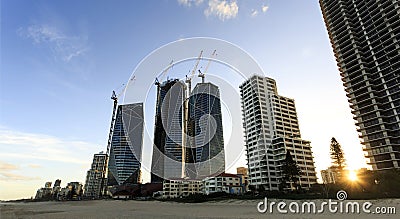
x: 365, y: 36
x: 168, y: 159
x: 188, y: 135
x: 126, y: 146
x: 205, y: 154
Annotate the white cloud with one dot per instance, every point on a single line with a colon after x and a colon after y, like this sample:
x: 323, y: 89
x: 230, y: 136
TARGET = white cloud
x: 264, y: 8
x: 43, y: 33
x: 29, y: 159
x: 63, y: 46
x: 32, y: 165
x: 184, y: 2
x: 24, y: 146
x: 7, y: 166
x: 223, y: 9
x: 190, y: 2
x: 6, y: 173
x: 254, y: 13
x: 6, y: 176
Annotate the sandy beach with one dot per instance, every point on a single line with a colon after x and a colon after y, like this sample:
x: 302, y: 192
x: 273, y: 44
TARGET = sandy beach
x: 166, y: 210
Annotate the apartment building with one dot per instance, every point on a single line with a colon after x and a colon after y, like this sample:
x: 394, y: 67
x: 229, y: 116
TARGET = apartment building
x: 271, y: 128
x: 365, y: 37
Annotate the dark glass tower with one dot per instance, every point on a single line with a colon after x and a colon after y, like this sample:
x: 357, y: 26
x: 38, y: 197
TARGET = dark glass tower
x: 126, y: 146
x: 365, y: 36
x: 205, y: 154
x: 167, y: 161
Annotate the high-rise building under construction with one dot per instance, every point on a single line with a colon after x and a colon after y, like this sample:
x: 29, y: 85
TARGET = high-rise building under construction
x: 188, y: 135
x: 168, y: 148
x: 205, y: 145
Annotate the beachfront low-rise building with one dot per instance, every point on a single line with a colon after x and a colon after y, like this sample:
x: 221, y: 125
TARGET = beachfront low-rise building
x: 175, y: 188
x: 44, y: 193
x: 47, y: 192
x: 331, y: 175
x: 63, y: 194
x: 224, y: 182
x: 242, y: 172
x: 73, y: 191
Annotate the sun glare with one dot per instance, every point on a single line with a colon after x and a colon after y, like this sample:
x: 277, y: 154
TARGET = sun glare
x: 352, y: 175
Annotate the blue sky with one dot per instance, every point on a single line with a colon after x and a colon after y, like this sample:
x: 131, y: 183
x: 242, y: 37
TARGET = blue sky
x: 60, y: 60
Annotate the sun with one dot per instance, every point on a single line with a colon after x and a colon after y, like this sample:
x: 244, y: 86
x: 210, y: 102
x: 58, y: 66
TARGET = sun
x: 352, y: 175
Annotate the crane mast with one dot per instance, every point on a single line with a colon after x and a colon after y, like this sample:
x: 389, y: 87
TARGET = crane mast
x: 164, y: 73
x: 114, y: 97
x: 202, y: 74
x: 189, y: 79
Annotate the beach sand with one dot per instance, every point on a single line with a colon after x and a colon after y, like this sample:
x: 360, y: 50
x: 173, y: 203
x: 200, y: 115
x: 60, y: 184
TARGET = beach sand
x: 167, y: 210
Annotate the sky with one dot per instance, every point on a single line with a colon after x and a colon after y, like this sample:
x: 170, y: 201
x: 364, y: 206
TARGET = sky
x: 60, y: 60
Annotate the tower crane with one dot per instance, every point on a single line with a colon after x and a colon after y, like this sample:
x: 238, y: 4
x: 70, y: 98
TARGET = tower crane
x: 164, y: 73
x: 202, y: 74
x: 189, y: 79
x: 114, y: 96
x: 186, y: 109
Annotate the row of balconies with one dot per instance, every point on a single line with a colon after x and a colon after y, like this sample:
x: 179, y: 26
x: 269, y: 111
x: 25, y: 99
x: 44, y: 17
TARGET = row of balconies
x: 347, y: 72
x: 369, y: 117
x: 381, y: 31
x: 371, y: 153
x: 333, y: 12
